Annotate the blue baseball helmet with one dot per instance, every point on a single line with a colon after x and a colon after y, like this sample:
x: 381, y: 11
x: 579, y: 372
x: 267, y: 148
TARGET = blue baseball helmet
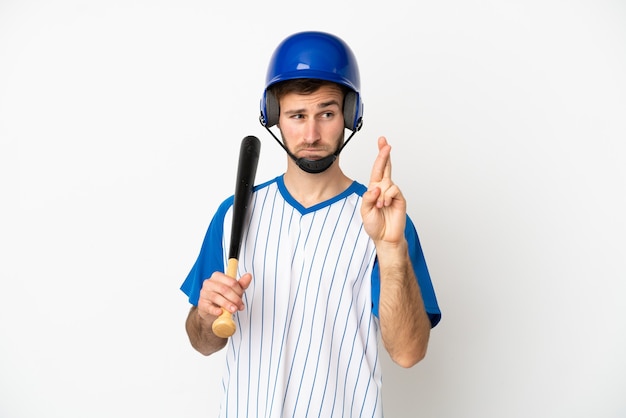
x: 316, y: 55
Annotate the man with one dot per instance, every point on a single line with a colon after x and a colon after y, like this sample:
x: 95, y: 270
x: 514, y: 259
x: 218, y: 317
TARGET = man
x: 326, y: 265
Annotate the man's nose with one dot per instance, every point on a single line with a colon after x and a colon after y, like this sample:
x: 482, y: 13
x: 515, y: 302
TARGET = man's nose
x: 312, y: 132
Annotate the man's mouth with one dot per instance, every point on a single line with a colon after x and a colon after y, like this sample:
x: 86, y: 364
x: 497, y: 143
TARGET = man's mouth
x: 312, y: 153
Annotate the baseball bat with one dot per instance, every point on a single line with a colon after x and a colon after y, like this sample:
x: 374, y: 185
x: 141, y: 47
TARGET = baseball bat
x: 249, y: 151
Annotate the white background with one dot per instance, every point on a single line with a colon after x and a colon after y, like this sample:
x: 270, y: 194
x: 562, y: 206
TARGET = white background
x: 120, y: 123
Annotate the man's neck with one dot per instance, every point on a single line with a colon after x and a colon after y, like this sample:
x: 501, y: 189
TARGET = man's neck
x: 310, y: 189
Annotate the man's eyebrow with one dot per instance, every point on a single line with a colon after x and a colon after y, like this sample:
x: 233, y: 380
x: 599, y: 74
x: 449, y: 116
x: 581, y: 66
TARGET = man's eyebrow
x: 322, y: 105
x: 328, y: 104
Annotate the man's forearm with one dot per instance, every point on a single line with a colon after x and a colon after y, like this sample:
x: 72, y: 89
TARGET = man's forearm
x: 201, y: 335
x: 405, y: 326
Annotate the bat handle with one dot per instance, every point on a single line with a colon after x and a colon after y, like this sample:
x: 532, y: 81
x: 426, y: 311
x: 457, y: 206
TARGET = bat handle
x: 224, y: 326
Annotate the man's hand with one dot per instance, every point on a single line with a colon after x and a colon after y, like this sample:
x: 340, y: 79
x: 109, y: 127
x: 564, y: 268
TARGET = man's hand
x: 217, y: 292
x: 384, y: 208
x: 222, y: 291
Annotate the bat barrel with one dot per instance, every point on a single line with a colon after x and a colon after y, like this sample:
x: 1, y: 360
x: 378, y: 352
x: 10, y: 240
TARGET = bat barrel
x: 246, y: 172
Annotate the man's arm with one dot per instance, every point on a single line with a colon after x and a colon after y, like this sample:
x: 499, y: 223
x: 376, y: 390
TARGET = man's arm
x: 404, y: 323
x: 405, y: 326
x: 201, y: 335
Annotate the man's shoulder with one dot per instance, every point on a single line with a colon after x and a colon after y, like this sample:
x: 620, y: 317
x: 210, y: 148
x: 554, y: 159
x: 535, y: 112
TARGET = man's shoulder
x: 228, y: 202
x: 269, y: 183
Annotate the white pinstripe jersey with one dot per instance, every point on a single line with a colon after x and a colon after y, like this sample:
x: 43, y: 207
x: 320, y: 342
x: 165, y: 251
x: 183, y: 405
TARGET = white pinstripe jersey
x: 307, y: 343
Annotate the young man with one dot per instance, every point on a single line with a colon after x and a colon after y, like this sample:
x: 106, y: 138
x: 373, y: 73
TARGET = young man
x: 326, y: 265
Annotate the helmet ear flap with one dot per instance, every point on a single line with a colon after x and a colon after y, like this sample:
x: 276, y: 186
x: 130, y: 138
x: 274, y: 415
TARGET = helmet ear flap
x: 271, y: 109
x: 352, y: 111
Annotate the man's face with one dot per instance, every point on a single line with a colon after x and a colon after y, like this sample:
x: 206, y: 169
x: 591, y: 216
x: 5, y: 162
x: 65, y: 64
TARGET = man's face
x: 312, y: 125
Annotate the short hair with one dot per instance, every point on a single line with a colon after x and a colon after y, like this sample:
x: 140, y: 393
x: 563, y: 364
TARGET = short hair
x: 303, y: 86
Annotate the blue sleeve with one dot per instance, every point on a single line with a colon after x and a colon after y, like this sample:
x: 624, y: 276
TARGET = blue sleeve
x: 211, y: 258
x: 421, y: 272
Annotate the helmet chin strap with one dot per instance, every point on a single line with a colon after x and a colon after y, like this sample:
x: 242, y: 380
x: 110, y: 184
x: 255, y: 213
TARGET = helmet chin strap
x: 313, y: 166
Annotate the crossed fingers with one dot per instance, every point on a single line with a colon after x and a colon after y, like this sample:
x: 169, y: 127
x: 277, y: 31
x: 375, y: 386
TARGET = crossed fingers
x: 381, y: 175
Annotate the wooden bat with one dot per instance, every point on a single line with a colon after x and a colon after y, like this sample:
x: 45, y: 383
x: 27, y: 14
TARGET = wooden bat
x: 224, y: 326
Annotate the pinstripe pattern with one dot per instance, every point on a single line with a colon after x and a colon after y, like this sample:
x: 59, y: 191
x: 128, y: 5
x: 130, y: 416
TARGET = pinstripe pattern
x: 307, y: 343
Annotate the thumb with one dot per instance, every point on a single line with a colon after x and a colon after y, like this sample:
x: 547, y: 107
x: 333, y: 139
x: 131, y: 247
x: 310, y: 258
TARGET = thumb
x: 245, y: 280
x: 370, y: 197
